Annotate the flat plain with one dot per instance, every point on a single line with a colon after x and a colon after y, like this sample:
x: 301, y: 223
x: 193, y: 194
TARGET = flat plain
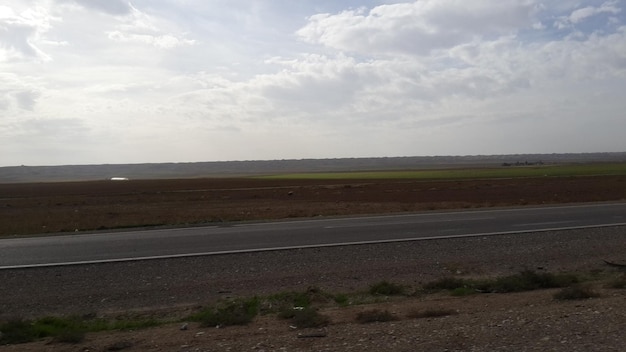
x: 40, y: 208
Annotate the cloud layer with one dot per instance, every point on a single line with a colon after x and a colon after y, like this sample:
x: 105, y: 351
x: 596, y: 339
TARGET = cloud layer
x: 149, y: 81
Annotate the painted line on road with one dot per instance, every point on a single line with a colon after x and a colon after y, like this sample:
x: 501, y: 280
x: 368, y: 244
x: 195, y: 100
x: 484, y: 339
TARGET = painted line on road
x: 322, y: 245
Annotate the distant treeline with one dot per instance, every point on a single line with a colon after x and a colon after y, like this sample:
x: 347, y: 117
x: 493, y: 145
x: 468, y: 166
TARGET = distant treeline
x: 525, y: 163
x: 13, y: 174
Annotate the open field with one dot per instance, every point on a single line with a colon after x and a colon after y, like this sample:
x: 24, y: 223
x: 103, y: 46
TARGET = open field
x: 34, y: 208
x: 599, y: 169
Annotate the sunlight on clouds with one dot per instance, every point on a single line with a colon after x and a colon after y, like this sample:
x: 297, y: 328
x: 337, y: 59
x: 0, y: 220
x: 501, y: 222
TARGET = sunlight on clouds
x: 416, y: 28
x: 19, y: 32
x: 160, y: 41
x: 142, y: 28
x: 223, y: 80
x: 586, y: 12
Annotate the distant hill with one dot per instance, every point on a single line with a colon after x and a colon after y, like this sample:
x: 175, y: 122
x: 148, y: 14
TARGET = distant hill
x: 15, y: 174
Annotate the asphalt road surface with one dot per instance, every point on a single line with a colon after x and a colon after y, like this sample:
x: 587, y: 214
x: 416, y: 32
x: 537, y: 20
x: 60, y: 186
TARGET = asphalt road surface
x: 263, y: 236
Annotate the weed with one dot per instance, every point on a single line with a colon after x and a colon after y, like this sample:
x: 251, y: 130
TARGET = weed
x: 375, y: 315
x: 237, y: 312
x: 133, y: 324
x: 463, y: 291
x: 528, y: 280
x: 576, y: 292
x: 285, y: 301
x: 67, y: 330
x: 385, y: 288
x: 342, y: 299
x: 446, y: 283
x: 17, y: 331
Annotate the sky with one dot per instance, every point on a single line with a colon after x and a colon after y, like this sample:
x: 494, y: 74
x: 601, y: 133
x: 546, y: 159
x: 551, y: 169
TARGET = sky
x: 112, y: 81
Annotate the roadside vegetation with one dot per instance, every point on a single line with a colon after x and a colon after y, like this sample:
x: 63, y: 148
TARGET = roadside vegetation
x: 301, y: 310
x: 527, y: 280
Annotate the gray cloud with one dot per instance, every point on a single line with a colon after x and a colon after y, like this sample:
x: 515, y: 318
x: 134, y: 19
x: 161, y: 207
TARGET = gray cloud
x: 18, y: 31
x: 113, y: 7
x: 26, y: 99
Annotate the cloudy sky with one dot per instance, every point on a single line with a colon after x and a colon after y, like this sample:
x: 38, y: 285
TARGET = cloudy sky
x: 112, y: 81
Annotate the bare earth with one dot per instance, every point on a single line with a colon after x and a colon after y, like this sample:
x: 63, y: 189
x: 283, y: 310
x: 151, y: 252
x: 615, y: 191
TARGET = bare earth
x: 531, y: 321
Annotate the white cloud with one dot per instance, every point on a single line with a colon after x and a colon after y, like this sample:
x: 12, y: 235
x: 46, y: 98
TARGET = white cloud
x: 583, y: 14
x: 418, y: 27
x: 142, y: 28
x: 167, y: 81
x: 579, y: 15
x: 160, y: 41
x: 19, y: 31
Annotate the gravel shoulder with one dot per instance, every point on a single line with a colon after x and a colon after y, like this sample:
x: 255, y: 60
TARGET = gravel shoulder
x: 531, y: 321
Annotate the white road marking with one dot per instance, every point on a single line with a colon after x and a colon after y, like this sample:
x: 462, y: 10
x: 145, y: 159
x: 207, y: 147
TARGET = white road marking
x: 322, y: 245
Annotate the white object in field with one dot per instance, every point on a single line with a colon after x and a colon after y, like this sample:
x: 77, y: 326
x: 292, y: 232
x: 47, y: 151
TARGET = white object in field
x: 119, y: 178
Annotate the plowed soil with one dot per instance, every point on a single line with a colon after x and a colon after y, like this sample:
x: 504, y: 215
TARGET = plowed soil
x: 79, y: 206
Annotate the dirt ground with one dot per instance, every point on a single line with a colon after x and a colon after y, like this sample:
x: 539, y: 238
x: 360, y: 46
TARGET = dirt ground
x: 529, y: 321
x: 78, y: 206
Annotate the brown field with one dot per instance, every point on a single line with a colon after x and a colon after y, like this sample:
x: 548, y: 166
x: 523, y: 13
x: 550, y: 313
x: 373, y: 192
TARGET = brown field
x: 36, y: 208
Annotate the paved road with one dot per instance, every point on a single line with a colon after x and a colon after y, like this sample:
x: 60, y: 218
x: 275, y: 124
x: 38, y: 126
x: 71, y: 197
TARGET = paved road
x: 133, y: 245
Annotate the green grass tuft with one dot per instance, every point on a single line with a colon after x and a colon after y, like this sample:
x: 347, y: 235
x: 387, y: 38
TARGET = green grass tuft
x: 17, y: 331
x: 342, y: 299
x: 236, y: 312
x: 527, y: 280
